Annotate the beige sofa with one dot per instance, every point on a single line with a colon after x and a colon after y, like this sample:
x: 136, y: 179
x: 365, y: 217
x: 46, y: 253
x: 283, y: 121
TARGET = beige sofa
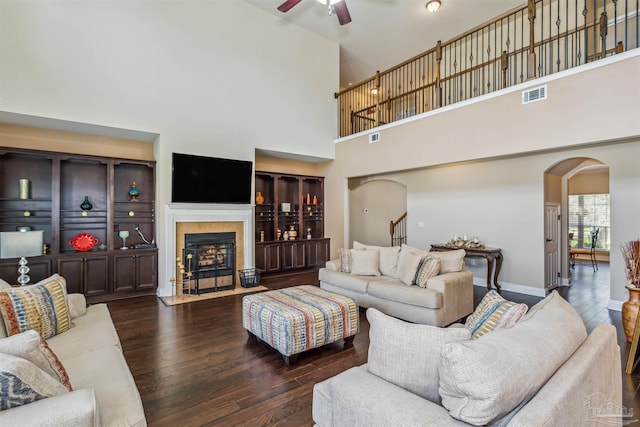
x: 104, y: 392
x: 542, y: 371
x: 446, y: 298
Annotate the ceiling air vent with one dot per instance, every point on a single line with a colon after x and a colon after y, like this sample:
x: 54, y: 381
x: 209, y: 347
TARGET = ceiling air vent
x: 533, y: 95
x: 374, y: 137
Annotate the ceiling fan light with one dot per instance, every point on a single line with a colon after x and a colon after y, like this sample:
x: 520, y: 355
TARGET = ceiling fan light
x: 433, y: 5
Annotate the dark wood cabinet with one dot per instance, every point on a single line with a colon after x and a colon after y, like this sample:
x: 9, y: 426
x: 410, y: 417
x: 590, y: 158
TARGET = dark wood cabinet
x: 318, y: 252
x: 294, y: 255
x: 121, y: 198
x: 268, y: 256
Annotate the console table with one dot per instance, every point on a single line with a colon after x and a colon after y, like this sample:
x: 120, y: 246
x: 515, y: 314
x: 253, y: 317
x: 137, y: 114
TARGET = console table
x: 492, y: 255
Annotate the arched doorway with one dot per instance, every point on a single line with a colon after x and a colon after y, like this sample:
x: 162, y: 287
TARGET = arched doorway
x: 579, y: 188
x: 373, y: 202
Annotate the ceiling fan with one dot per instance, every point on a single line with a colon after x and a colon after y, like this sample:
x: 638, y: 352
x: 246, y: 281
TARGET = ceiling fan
x: 337, y: 6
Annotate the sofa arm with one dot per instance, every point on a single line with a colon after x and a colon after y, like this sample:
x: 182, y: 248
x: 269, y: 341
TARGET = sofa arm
x: 77, y: 305
x: 333, y: 265
x: 355, y: 394
x: 457, y: 294
x: 77, y: 408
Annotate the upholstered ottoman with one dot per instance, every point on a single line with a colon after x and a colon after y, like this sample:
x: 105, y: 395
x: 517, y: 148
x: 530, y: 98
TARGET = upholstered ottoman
x: 293, y: 320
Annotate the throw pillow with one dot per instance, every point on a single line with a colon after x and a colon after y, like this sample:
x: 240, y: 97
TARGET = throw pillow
x: 22, y: 382
x: 407, y: 354
x: 483, y: 380
x: 408, y: 263
x: 364, y: 263
x: 4, y: 285
x: 31, y: 346
x: 345, y: 260
x: 388, y: 257
x: 450, y: 261
x: 428, y: 268
x: 41, y: 307
x: 494, y: 312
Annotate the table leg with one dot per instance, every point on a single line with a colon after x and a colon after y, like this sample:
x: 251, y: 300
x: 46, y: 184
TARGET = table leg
x: 489, y: 271
x: 495, y: 274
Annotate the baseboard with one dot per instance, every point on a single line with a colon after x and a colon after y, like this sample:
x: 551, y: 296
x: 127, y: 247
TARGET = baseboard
x: 512, y: 287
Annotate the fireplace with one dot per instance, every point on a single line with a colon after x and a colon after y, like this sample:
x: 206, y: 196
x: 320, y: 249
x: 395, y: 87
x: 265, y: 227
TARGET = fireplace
x: 209, y: 260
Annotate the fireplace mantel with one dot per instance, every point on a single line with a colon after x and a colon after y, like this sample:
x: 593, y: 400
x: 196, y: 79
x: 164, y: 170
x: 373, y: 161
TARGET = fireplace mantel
x: 204, y: 212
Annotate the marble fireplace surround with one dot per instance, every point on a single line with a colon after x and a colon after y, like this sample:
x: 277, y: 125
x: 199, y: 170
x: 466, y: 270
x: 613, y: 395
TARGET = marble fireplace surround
x: 184, y: 218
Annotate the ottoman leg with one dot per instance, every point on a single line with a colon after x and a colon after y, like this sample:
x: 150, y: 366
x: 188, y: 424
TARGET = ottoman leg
x: 290, y: 359
x: 349, y: 340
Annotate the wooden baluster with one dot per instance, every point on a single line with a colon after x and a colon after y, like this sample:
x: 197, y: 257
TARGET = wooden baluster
x: 603, y: 33
x: 504, y: 63
x: 438, y: 88
x: 376, y: 85
x: 531, y: 59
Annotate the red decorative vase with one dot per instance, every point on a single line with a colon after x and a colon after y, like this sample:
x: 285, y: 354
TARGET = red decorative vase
x: 630, y: 312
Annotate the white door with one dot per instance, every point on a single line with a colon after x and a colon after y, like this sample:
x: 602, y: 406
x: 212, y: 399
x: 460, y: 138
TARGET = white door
x: 551, y: 245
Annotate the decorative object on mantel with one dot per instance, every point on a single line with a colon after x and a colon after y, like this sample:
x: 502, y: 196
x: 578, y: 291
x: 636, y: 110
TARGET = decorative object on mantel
x: 464, y: 242
x: 259, y: 198
x: 631, y: 254
x: 86, y: 206
x: 21, y: 244
x: 24, y: 189
x: 83, y: 242
x: 134, y: 192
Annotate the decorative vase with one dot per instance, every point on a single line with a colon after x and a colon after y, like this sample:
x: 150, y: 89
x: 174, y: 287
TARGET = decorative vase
x: 259, y: 198
x: 630, y: 312
x: 293, y: 234
x: 134, y: 192
x: 315, y: 200
x: 24, y: 189
x: 86, y: 205
x: 308, y: 199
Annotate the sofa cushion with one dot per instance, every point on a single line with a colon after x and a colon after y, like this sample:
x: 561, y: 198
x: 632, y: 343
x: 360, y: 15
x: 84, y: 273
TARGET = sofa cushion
x: 4, y: 285
x: 41, y: 307
x: 484, y: 379
x: 22, y: 382
x: 406, y: 354
x: 494, y: 312
x: 393, y: 290
x: 348, y: 281
x: 450, y: 261
x: 428, y: 268
x: 365, y: 263
x: 408, y: 263
x: 388, y: 257
x: 31, y: 346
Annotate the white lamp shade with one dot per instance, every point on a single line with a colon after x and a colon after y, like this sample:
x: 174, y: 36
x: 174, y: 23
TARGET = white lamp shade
x: 17, y: 244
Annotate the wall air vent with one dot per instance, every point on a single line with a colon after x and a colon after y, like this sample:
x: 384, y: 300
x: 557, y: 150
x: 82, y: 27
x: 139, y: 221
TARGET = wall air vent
x: 374, y: 137
x: 533, y: 95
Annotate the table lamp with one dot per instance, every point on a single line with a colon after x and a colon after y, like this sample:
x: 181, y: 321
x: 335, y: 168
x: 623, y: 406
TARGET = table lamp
x: 21, y: 244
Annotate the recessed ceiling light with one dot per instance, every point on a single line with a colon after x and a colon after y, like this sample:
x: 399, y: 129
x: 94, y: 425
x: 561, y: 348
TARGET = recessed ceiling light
x: 433, y: 5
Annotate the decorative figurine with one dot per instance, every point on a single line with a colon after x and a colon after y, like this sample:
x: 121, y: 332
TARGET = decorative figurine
x: 86, y: 204
x: 134, y: 192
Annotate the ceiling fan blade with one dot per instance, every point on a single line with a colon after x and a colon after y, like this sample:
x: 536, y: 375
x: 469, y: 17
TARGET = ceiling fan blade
x: 342, y: 12
x: 284, y: 7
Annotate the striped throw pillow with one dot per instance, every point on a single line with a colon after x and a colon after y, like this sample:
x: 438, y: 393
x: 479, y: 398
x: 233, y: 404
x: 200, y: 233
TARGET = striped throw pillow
x: 41, y: 307
x: 345, y: 260
x: 428, y: 268
x: 494, y: 312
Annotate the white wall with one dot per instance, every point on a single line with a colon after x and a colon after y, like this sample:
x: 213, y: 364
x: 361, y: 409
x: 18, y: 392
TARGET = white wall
x: 216, y: 78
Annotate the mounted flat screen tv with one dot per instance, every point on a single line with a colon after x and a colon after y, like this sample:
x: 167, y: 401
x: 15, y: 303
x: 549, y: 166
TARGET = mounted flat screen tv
x: 198, y: 179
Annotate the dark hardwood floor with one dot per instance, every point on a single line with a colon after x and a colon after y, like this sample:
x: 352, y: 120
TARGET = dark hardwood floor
x: 194, y: 365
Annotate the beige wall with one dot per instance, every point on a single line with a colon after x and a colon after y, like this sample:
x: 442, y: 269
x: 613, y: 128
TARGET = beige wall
x: 501, y: 200
x: 552, y: 188
x: 589, y: 183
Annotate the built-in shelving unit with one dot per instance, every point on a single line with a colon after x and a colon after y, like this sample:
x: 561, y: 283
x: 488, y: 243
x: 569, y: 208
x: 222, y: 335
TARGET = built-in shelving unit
x: 291, y: 204
x: 59, y: 184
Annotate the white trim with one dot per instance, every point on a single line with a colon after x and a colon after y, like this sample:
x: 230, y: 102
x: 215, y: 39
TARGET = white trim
x: 615, y: 305
x: 204, y: 212
x: 519, y: 87
x: 512, y: 287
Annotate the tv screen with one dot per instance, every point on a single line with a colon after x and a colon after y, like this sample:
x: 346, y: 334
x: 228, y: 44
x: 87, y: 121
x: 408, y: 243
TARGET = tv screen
x: 198, y: 179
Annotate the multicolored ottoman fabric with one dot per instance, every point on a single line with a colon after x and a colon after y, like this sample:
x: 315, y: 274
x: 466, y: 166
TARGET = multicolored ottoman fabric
x: 293, y: 320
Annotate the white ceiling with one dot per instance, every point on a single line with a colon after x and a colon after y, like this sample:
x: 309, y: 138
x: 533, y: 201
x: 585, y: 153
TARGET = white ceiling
x: 384, y: 33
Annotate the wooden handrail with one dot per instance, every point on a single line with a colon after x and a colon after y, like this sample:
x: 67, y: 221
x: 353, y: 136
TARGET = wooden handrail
x: 393, y: 227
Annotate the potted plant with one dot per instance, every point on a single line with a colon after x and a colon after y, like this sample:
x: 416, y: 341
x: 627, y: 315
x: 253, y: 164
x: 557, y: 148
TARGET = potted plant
x: 631, y: 254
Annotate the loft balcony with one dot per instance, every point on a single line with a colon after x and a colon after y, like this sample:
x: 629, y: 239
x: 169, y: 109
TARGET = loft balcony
x: 535, y: 40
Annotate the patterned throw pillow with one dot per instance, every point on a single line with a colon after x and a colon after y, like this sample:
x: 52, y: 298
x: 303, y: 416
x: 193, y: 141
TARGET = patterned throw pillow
x: 428, y: 268
x: 41, y: 307
x: 494, y: 312
x: 345, y: 260
x: 31, y: 346
x: 22, y: 382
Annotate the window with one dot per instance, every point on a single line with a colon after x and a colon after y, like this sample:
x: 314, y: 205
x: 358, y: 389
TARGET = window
x: 587, y: 213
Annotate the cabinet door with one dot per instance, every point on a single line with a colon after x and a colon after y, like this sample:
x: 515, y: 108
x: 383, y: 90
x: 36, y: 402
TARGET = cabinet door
x: 124, y: 272
x: 146, y: 268
x: 317, y: 252
x: 268, y: 257
x: 293, y: 255
x: 96, y: 276
x: 72, y: 270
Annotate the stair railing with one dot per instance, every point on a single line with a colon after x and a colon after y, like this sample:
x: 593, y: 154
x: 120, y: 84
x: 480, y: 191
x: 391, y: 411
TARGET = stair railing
x: 398, y: 230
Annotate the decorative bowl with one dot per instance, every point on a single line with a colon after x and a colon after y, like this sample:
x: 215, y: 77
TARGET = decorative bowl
x: 83, y: 242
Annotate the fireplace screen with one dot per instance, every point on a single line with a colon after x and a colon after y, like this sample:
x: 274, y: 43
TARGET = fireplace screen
x: 209, y: 260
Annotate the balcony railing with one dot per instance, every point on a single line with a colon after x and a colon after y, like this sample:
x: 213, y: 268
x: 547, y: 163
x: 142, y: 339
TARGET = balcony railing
x: 537, y: 39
